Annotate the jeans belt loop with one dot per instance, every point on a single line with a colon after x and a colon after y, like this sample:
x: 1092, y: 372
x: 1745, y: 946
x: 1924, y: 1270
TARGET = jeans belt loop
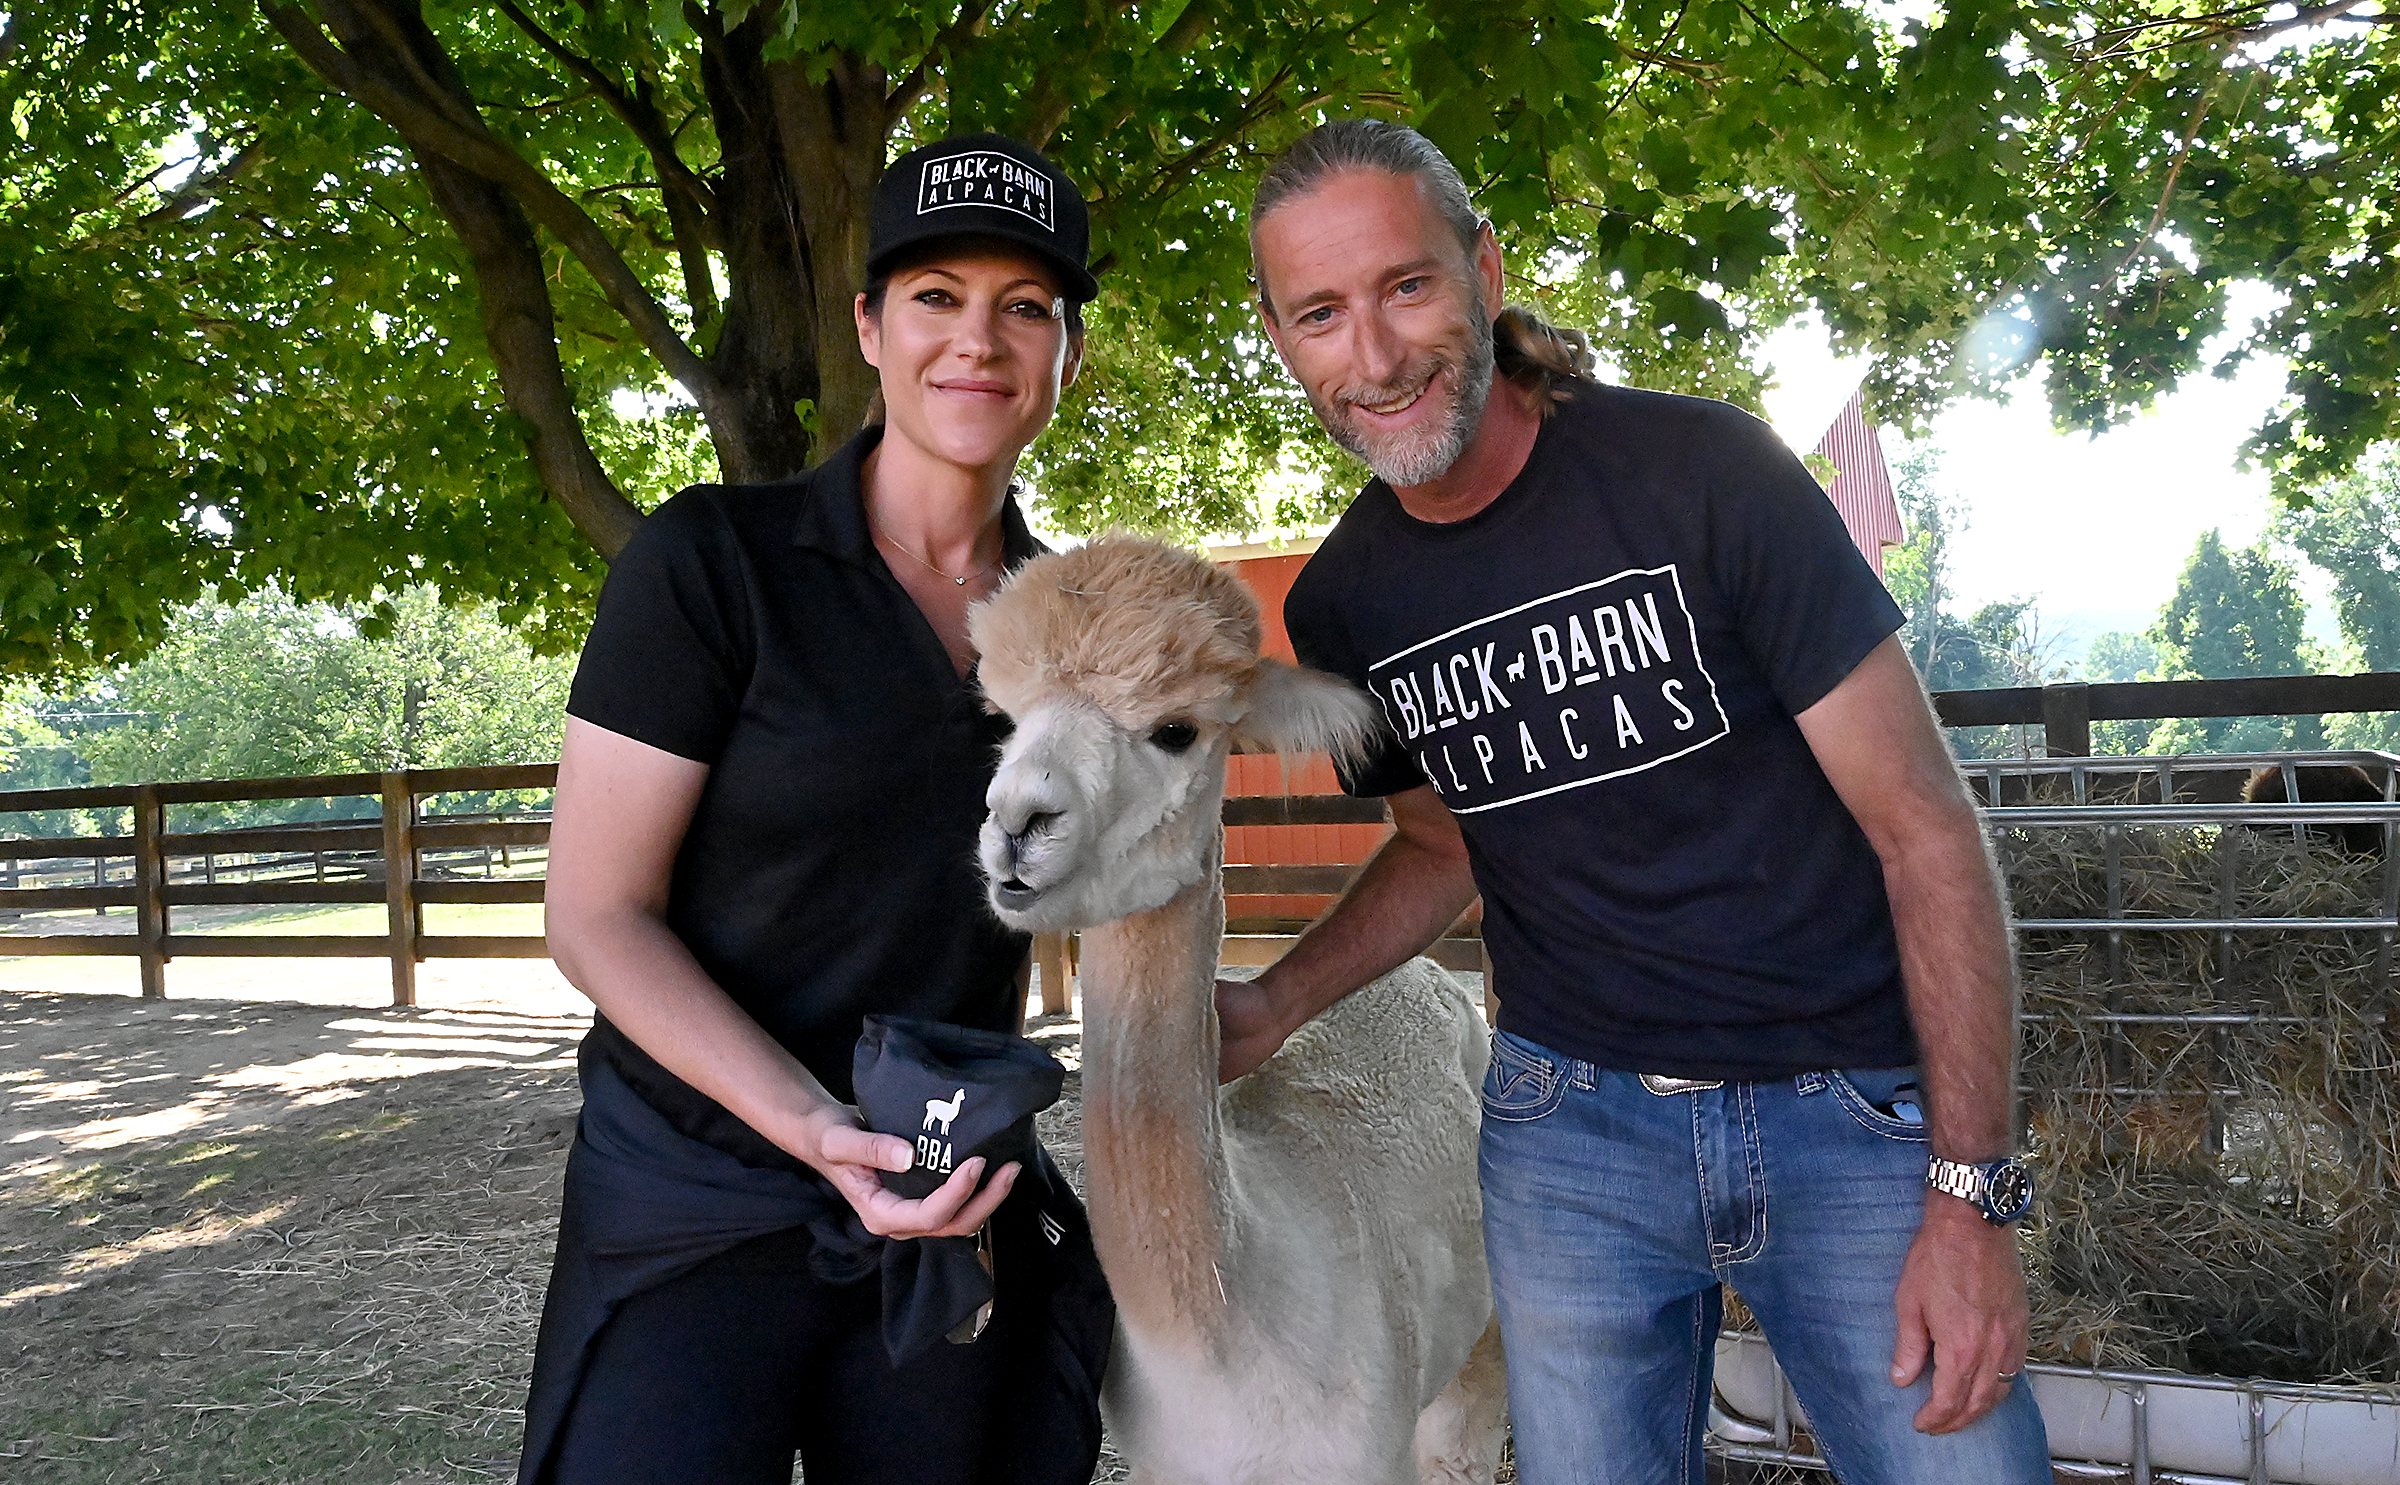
x: 1666, y: 1087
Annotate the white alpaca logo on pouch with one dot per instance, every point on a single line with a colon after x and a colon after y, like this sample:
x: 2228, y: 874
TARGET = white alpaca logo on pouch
x: 943, y: 1111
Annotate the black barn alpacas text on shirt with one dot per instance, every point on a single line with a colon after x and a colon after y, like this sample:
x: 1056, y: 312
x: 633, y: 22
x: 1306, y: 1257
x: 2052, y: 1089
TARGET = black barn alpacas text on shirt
x: 1586, y: 684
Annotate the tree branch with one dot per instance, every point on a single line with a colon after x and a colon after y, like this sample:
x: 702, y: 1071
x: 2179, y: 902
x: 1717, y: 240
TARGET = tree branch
x: 1644, y: 71
x: 1185, y: 33
x: 967, y: 23
x: 194, y: 193
x: 431, y: 128
x: 519, y: 327
x: 1812, y: 62
x: 2166, y: 194
x: 831, y: 134
x: 2223, y: 25
x: 633, y: 107
x: 1266, y: 100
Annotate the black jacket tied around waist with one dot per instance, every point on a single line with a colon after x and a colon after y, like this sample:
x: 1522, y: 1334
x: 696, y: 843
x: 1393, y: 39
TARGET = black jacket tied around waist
x: 646, y: 1203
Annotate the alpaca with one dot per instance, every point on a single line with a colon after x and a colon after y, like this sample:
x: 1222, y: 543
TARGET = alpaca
x: 1297, y: 1257
x: 2320, y: 783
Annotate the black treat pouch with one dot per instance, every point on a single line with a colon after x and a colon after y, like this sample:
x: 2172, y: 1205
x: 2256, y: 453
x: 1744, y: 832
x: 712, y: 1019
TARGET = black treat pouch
x: 953, y: 1092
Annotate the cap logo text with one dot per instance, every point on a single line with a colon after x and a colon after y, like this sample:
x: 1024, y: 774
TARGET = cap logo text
x: 986, y: 178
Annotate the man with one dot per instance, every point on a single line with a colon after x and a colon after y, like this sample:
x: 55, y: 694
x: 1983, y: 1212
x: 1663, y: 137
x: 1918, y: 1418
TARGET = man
x: 1647, y: 698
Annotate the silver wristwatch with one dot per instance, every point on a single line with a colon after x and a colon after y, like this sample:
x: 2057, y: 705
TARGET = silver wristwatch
x: 2002, y: 1190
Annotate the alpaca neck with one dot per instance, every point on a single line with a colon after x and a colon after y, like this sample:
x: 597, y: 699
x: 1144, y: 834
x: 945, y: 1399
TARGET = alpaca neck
x: 1153, y: 1147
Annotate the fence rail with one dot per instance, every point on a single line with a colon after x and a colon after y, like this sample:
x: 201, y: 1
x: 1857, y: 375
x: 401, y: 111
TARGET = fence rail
x: 394, y: 846
x: 2066, y: 712
x: 393, y: 876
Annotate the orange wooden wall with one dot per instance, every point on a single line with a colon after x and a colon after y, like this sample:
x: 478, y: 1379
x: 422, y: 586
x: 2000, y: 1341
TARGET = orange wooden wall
x: 1286, y: 845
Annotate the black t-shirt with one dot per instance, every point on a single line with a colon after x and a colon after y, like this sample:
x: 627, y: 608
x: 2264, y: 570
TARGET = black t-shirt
x: 1598, y: 673
x: 829, y: 870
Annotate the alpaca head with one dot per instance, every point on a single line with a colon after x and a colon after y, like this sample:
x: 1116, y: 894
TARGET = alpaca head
x: 1131, y: 669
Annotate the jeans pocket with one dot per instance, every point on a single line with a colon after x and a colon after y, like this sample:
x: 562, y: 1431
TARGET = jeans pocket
x: 1866, y: 1095
x: 1521, y: 1084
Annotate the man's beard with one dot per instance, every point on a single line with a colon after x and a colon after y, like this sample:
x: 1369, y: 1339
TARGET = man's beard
x: 1423, y: 454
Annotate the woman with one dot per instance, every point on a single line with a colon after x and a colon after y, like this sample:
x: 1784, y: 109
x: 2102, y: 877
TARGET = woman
x: 767, y: 803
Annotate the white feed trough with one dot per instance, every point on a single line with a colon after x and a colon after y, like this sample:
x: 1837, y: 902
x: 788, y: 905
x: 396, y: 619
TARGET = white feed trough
x: 2157, y: 1426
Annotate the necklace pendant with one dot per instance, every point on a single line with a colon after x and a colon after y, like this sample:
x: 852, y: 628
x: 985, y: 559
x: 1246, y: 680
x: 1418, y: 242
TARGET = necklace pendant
x: 962, y: 582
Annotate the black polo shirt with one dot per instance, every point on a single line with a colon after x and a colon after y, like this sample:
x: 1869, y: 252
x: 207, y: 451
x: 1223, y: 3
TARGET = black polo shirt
x: 829, y: 870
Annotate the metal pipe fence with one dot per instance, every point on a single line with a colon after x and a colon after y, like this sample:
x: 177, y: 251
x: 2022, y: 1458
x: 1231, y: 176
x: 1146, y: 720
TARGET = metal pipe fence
x: 2110, y: 798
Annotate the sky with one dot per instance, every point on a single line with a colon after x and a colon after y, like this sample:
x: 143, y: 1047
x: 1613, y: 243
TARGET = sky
x: 2093, y: 528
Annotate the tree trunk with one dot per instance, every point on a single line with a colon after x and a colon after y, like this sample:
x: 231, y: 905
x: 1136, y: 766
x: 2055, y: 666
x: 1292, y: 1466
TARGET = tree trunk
x: 794, y: 263
x: 800, y: 160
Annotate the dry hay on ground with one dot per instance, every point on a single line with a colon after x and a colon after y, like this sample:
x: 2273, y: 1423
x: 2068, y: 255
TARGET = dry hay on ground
x: 2217, y: 1199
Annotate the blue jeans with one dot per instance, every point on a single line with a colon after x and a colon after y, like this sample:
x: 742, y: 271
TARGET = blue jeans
x: 1612, y: 1214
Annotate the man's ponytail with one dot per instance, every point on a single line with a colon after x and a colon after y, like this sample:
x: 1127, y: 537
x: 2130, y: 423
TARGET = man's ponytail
x: 1538, y: 356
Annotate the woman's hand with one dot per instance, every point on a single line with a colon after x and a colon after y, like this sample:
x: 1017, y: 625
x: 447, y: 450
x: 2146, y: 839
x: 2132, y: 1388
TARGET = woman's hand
x: 849, y: 1157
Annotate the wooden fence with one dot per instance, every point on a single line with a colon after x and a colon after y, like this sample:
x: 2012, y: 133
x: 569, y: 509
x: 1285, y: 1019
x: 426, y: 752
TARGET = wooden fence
x: 2066, y: 712
x: 398, y: 842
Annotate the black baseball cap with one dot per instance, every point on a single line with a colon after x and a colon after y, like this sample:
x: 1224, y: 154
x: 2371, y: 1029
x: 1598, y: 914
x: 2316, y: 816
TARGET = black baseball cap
x: 987, y: 185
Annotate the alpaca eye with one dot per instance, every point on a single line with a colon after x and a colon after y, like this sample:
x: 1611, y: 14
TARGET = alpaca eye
x: 1174, y: 737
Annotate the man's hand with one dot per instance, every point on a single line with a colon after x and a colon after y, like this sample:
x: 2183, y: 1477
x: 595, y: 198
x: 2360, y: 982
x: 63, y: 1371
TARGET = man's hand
x: 1248, y: 1025
x: 1961, y: 1304
x: 1416, y: 885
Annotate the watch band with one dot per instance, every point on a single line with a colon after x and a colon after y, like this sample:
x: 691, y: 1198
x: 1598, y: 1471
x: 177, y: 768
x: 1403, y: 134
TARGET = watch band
x: 1956, y: 1178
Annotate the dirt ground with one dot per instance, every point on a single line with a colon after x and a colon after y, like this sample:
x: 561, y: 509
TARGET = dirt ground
x: 252, y: 1242
x: 266, y: 1243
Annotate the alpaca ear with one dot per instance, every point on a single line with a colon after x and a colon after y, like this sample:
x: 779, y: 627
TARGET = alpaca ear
x: 1305, y: 711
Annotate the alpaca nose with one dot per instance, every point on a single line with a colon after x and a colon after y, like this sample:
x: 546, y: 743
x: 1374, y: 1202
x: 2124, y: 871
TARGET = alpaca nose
x: 1036, y: 824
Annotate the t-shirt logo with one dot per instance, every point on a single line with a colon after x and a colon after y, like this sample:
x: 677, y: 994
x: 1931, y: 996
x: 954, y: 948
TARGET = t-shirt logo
x: 983, y: 178
x: 1590, y: 683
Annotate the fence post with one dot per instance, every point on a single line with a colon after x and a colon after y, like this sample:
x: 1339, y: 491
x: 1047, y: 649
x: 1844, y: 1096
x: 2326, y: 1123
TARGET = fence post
x: 149, y: 890
x: 400, y: 882
x: 1050, y: 957
x: 2067, y: 720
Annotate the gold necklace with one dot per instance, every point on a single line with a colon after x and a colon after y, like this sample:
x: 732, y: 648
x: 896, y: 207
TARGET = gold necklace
x: 929, y: 567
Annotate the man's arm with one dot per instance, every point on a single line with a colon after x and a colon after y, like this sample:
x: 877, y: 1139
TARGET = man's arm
x: 1961, y: 1298
x: 1413, y: 888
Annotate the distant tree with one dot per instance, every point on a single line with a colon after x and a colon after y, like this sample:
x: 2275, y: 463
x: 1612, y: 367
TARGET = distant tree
x: 1917, y: 571
x: 1993, y: 647
x: 39, y: 749
x: 2119, y: 655
x: 2351, y: 529
x: 2234, y: 613
x: 272, y: 687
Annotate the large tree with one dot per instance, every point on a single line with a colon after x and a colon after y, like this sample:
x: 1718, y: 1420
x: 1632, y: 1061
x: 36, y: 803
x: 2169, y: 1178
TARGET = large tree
x: 358, y: 293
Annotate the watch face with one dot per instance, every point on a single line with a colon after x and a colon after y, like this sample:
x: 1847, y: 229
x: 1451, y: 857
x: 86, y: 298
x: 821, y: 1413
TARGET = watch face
x: 2009, y: 1188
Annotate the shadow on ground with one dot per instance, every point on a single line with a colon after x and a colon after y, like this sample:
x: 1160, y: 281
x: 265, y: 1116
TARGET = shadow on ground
x: 272, y: 1243
x: 283, y: 1243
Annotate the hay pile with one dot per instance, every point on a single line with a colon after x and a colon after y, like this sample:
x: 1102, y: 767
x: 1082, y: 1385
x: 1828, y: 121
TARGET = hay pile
x: 2215, y: 1198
